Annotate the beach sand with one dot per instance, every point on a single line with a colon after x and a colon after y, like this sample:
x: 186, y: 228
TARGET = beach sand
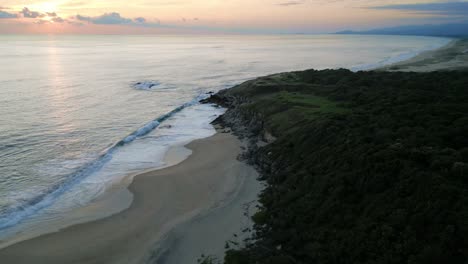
x: 453, y: 56
x: 204, y: 197
x: 181, y: 212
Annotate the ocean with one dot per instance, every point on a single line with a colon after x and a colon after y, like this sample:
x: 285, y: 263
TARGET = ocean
x: 80, y: 113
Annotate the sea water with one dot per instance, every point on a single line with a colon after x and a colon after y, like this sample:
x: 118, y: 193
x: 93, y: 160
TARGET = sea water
x: 79, y: 113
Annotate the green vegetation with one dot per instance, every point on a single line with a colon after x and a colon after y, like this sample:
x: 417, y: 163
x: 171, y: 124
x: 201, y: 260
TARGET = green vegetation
x: 367, y: 167
x: 285, y: 109
x: 208, y: 260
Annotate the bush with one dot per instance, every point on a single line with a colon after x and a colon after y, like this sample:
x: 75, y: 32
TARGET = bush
x: 368, y: 167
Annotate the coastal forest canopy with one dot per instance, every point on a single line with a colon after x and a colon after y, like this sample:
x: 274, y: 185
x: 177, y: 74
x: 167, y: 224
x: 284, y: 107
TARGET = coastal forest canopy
x: 367, y: 167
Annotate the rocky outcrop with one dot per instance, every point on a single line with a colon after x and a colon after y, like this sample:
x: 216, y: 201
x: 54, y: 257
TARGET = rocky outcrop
x: 248, y: 126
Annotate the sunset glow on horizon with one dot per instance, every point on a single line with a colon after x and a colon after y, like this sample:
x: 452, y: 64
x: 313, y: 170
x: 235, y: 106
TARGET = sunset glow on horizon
x: 215, y: 16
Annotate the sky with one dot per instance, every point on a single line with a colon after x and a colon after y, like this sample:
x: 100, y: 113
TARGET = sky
x: 220, y: 16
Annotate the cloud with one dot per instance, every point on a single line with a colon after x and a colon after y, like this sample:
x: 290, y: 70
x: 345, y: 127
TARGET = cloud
x: 291, y: 3
x: 4, y: 14
x: 31, y: 14
x: 107, y: 19
x: 41, y: 22
x: 444, y: 8
x: 83, y: 18
x: 58, y: 19
x: 116, y: 19
x: 140, y: 20
x: 74, y: 23
x: 27, y: 13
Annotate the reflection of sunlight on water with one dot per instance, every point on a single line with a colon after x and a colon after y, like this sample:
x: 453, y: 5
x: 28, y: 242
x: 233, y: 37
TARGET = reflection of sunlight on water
x: 65, y: 99
x: 58, y: 91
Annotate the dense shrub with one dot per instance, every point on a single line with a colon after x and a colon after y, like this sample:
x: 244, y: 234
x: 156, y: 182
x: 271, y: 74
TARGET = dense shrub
x: 368, y: 167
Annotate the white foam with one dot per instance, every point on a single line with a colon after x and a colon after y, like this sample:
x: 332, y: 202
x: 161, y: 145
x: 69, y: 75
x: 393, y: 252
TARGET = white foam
x: 142, y: 131
x: 402, y: 56
x: 146, y: 85
x: 136, y: 155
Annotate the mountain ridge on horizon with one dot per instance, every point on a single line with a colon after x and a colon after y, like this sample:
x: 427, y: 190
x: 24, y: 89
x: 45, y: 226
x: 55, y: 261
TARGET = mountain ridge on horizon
x: 435, y: 30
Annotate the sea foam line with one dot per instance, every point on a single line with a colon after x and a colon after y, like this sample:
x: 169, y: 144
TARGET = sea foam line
x: 15, y: 215
x: 401, y: 57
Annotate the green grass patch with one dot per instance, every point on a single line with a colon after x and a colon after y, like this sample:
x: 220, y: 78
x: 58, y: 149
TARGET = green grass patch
x: 284, y: 110
x: 310, y: 104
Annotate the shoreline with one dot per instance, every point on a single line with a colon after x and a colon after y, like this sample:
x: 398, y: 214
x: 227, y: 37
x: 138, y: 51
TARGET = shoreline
x: 116, y: 196
x: 115, y: 199
x: 453, y: 56
x: 163, y: 199
x: 79, y: 211
x: 350, y: 173
x: 402, y: 58
x: 193, y: 223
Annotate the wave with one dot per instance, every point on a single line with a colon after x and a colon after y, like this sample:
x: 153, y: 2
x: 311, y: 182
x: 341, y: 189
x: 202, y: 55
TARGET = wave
x: 401, y: 57
x: 146, y: 85
x: 14, y: 215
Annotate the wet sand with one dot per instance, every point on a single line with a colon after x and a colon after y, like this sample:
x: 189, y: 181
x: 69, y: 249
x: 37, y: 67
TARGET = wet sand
x: 209, y: 187
x: 183, y: 211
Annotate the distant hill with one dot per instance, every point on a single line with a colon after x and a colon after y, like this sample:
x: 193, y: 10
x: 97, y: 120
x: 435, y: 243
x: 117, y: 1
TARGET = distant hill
x: 443, y: 30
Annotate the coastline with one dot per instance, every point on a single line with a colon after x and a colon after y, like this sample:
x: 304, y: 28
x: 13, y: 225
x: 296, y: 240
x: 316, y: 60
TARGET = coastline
x: 345, y: 175
x: 404, y: 57
x: 210, y: 178
x: 37, y: 222
x: 453, y: 56
x: 187, y: 123
x: 193, y: 218
x: 114, y: 200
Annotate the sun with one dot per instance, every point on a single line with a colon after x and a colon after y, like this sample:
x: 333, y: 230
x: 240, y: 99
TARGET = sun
x: 45, y: 7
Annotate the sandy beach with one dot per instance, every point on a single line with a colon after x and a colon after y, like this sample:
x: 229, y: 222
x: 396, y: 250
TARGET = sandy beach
x: 186, y: 210
x: 453, y: 56
x: 204, y: 197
